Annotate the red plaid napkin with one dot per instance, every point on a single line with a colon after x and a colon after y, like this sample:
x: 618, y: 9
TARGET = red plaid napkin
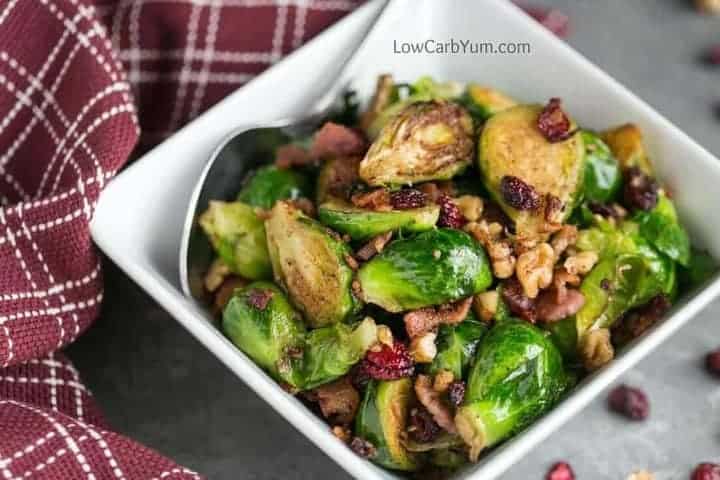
x: 68, y: 122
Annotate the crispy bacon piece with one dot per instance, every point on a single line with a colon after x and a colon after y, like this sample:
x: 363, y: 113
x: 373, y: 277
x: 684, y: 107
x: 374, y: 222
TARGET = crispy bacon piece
x: 419, y: 322
x: 291, y: 155
x: 334, y: 140
x: 338, y: 401
x: 378, y: 200
x: 373, y: 247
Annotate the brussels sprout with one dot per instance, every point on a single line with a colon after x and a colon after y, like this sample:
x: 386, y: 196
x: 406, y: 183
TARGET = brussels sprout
x: 268, y: 330
x: 661, y: 228
x: 308, y: 260
x: 432, y: 268
x: 512, y: 146
x: 603, y: 178
x: 626, y: 144
x: 336, y: 178
x: 447, y: 458
x: 700, y: 268
x: 483, y: 102
x: 238, y: 237
x: 456, y: 346
x: 425, y: 141
x: 382, y: 420
x: 518, y: 375
x: 423, y: 90
x: 331, y: 351
x: 268, y: 184
x: 362, y: 224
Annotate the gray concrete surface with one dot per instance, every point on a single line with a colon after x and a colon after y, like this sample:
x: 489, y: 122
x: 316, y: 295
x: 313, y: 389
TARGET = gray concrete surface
x: 160, y: 386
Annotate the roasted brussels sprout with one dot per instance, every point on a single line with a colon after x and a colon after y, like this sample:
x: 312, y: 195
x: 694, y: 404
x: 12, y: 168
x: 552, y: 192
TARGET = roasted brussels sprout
x: 363, y: 224
x: 432, y: 268
x: 661, y: 228
x: 268, y: 184
x: 517, y: 376
x: 382, y: 421
x: 701, y: 268
x: 483, y: 102
x: 309, y: 261
x: 626, y: 144
x: 238, y: 237
x: 456, y: 346
x: 521, y: 168
x: 425, y: 141
x: 603, y: 178
x: 331, y: 351
x: 260, y: 321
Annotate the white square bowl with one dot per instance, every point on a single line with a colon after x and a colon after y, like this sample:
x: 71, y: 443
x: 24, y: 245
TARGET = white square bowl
x: 140, y: 214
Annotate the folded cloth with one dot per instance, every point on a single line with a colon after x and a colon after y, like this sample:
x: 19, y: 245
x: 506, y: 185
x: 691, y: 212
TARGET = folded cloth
x: 79, y: 81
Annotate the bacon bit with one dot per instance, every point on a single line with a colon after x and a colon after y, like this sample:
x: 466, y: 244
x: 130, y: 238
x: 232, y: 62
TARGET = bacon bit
x: 450, y: 214
x: 363, y: 448
x: 431, y: 400
x: 408, y: 198
x: 225, y: 292
x: 519, y: 194
x: 516, y: 300
x: 351, y: 262
x: 373, y: 247
x: 338, y: 401
x: 419, y: 322
x: 334, y: 140
x: 291, y: 155
x: 259, y: 298
x: 560, y: 471
x: 304, y: 205
x: 554, y: 123
x: 423, y: 427
x: 377, y: 200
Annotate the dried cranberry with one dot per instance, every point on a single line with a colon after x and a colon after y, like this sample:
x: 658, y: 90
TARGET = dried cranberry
x: 423, y: 427
x: 712, y: 362
x: 408, y: 198
x: 706, y: 471
x: 560, y: 471
x: 363, y: 448
x: 554, y: 123
x: 712, y: 56
x: 630, y: 402
x: 389, y: 363
x: 450, y: 214
x: 259, y: 298
x: 519, y: 194
x: 516, y: 300
x: 456, y: 392
x: 640, y: 191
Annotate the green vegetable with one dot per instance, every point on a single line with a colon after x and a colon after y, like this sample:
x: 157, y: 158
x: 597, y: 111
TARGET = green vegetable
x: 626, y: 144
x: 309, y: 261
x: 238, y: 237
x: 483, y: 102
x: 517, y: 376
x: 268, y: 184
x: 362, y: 224
x: 456, y: 346
x: 512, y: 145
x: 603, y: 178
x: 701, y: 268
x: 447, y: 458
x: 432, y: 268
x: 425, y: 141
x: 267, y: 335
x: 661, y: 228
x: 331, y: 351
x: 382, y: 421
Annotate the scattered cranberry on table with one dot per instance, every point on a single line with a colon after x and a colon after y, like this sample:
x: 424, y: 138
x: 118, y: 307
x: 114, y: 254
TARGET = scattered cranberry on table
x: 706, y: 471
x: 560, y: 471
x: 712, y: 362
x: 629, y: 402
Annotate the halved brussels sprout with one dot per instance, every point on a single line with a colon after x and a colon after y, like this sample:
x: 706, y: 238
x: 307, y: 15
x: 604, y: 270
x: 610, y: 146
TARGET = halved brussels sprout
x: 425, y: 141
x: 432, y: 268
x: 517, y: 376
x: 456, y: 346
x: 238, y: 236
x: 626, y: 143
x: 512, y: 146
x: 484, y: 102
x: 661, y: 228
x: 382, y: 421
x: 362, y: 224
x: 603, y: 178
x: 268, y: 184
x: 309, y: 261
x: 260, y: 321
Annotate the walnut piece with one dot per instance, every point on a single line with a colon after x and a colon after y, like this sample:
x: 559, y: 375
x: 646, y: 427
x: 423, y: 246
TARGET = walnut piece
x: 216, y: 275
x: 581, y: 263
x: 596, y: 349
x: 534, y: 269
x: 485, y: 304
x: 423, y: 349
x: 470, y: 206
x: 430, y: 399
x: 549, y: 309
x: 442, y: 381
x: 384, y: 335
x: 418, y: 322
x: 500, y: 252
x: 564, y: 238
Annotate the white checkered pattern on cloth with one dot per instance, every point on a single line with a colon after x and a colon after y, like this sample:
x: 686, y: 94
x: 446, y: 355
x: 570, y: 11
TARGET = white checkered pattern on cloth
x: 68, y: 122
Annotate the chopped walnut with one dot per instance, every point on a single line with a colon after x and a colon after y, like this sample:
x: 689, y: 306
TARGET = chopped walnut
x: 534, y: 269
x: 373, y: 247
x: 418, y: 322
x: 581, y: 263
x: 344, y: 434
x: 430, y: 399
x: 378, y: 200
x: 442, y: 380
x: 423, y: 349
x: 561, y: 279
x: 499, y: 250
x: 216, y: 275
x: 485, y: 305
x: 351, y: 262
x: 549, y: 309
x: 641, y: 475
x: 564, y: 238
x: 470, y: 206
x: 596, y: 349
x: 384, y: 335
